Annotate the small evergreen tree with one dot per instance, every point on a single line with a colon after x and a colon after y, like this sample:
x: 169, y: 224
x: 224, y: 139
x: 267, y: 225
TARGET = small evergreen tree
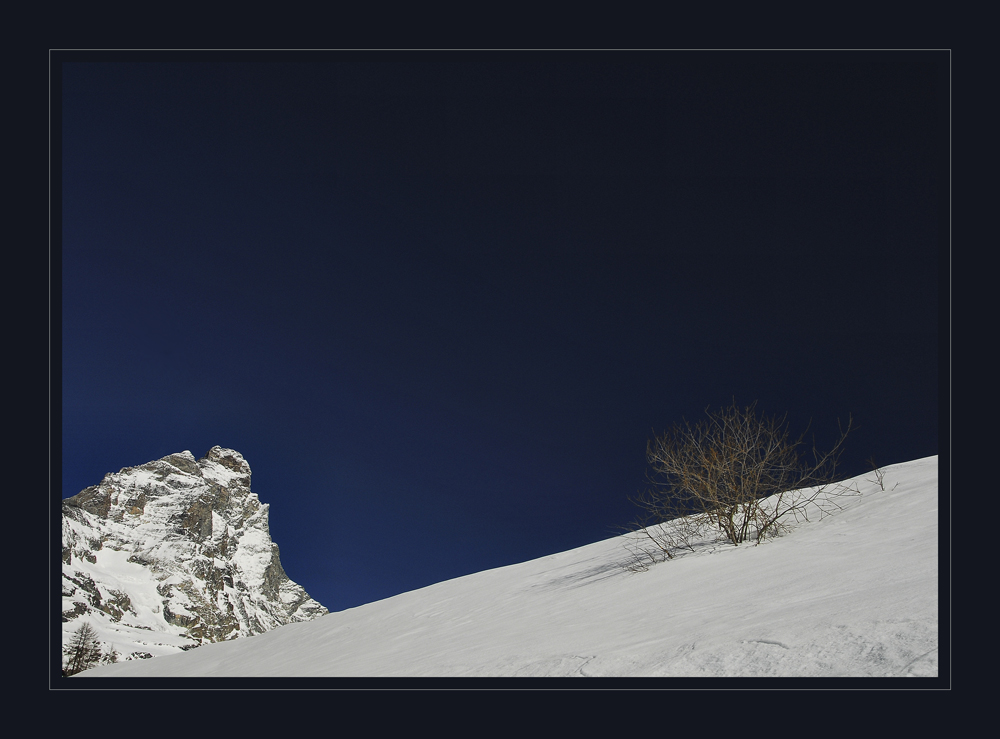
x: 83, y: 650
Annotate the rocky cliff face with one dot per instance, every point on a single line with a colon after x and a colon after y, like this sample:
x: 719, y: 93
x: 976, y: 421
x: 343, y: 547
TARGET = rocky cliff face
x: 165, y: 556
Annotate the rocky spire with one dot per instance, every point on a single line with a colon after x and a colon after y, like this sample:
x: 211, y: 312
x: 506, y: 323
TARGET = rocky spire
x: 172, y: 553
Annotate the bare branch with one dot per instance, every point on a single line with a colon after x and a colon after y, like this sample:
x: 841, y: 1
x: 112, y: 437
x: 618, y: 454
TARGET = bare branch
x: 738, y: 474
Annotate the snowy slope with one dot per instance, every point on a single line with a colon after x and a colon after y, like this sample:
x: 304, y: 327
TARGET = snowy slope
x: 854, y: 594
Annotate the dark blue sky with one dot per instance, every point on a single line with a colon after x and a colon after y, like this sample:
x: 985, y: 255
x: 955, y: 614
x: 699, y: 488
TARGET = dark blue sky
x: 440, y: 301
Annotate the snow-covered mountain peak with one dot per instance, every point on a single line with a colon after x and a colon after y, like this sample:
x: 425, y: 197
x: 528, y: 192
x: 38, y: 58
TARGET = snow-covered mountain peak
x: 173, y: 553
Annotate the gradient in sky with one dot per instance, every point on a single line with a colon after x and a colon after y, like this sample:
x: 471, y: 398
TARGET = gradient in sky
x: 440, y: 300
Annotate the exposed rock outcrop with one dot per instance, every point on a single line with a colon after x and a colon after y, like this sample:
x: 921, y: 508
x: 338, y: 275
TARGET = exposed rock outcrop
x: 172, y: 553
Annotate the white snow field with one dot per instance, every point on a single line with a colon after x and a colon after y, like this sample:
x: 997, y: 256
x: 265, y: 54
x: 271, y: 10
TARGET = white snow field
x: 852, y: 595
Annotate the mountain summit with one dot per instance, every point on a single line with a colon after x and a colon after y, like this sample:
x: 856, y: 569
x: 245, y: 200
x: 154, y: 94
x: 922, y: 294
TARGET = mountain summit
x: 165, y: 556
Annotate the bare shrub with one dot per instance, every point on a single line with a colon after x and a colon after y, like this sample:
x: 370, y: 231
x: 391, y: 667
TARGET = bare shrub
x: 879, y: 475
x: 732, y: 477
